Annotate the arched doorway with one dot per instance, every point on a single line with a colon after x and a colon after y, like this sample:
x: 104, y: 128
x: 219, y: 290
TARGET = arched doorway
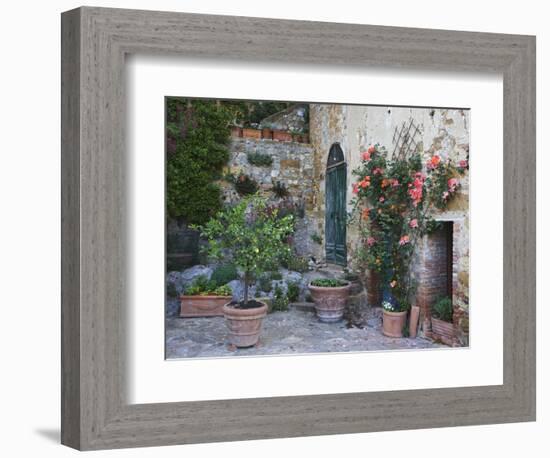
x: 335, y: 207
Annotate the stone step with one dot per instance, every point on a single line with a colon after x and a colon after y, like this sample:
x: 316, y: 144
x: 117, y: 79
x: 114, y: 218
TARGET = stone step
x: 303, y: 306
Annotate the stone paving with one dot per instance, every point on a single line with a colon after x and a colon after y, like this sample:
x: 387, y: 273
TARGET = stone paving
x: 296, y: 331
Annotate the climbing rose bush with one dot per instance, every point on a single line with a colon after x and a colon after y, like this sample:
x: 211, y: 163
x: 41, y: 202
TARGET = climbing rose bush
x: 393, y: 202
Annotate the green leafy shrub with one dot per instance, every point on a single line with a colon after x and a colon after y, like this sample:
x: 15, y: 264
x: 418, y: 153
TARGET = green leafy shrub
x: 293, y: 291
x: 245, y: 185
x: 264, y: 282
x: 224, y: 274
x: 316, y: 238
x: 275, y: 275
x: 296, y: 264
x: 197, y: 138
x: 329, y: 282
x: 280, y: 300
x: 250, y: 236
x: 201, y: 286
x: 279, y: 189
x: 443, y: 309
x: 259, y: 159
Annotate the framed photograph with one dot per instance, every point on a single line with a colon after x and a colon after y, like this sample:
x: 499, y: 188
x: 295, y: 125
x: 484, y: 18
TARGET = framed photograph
x: 279, y: 228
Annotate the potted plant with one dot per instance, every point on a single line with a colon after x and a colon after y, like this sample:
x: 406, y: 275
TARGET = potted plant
x: 236, y: 131
x: 442, y: 321
x: 250, y: 132
x: 330, y: 297
x: 253, y: 236
x: 282, y: 136
x: 204, y: 298
x: 393, y: 319
x: 267, y: 133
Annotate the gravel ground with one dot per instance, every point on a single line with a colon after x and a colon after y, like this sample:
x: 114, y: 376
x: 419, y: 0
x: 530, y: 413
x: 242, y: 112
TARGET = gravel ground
x: 283, y: 333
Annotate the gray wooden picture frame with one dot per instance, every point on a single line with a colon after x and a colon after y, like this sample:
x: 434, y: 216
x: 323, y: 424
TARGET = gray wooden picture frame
x: 95, y: 413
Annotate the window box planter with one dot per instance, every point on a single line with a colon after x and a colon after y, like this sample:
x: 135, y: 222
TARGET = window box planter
x: 236, y: 131
x: 330, y: 301
x: 252, y: 133
x: 194, y: 306
x: 443, y: 331
x: 282, y: 136
x: 267, y: 133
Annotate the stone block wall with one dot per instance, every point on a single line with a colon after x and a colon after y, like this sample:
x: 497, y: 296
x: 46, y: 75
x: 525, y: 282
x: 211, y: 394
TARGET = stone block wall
x: 292, y: 166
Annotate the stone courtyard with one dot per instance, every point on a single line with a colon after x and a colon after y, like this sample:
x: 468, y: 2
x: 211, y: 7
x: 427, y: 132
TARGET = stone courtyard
x: 293, y: 332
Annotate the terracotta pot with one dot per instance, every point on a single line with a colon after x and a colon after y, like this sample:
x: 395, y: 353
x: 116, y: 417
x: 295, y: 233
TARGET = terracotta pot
x: 413, y: 321
x: 329, y: 302
x: 252, y: 133
x: 267, y: 133
x: 282, y: 136
x: 443, y: 330
x: 392, y: 323
x: 191, y: 306
x: 244, y: 324
x: 236, y: 131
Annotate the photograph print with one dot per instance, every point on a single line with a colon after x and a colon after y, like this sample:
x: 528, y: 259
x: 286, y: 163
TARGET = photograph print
x: 299, y: 228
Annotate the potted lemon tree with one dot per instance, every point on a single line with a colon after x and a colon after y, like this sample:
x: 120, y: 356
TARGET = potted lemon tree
x: 254, y: 237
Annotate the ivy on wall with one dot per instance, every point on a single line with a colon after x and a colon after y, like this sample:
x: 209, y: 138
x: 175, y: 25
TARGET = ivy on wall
x: 197, y: 137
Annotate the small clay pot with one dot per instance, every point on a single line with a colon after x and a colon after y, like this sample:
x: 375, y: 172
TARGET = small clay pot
x: 392, y: 323
x: 244, y: 324
x: 330, y: 302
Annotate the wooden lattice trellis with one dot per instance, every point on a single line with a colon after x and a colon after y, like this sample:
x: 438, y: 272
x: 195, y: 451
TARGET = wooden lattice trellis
x: 405, y: 139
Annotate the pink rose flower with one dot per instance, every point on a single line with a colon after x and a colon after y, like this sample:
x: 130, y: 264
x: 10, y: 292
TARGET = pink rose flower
x: 413, y: 223
x: 404, y: 240
x: 371, y: 241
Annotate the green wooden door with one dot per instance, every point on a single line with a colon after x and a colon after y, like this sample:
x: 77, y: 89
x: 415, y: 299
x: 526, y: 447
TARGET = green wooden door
x: 335, y: 210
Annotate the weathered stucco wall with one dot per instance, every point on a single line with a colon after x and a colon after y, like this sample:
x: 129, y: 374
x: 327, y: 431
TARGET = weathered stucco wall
x: 444, y: 132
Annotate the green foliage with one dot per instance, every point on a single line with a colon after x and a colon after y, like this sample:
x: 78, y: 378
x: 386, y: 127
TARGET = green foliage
x: 224, y: 274
x: 279, y: 189
x: 280, y: 300
x: 259, y: 159
x: 197, y: 135
x: 393, y: 204
x: 202, y: 286
x: 275, y: 275
x: 245, y: 185
x: 443, y: 309
x: 316, y: 238
x: 293, y: 291
x: 296, y: 263
x: 264, y: 283
x: 329, y: 282
x: 251, y: 236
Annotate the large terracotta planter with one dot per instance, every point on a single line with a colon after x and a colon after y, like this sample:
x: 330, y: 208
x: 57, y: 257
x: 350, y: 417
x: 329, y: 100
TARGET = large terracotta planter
x: 392, y: 323
x: 244, y: 324
x: 192, y: 306
x: 330, y: 302
x: 444, y: 331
